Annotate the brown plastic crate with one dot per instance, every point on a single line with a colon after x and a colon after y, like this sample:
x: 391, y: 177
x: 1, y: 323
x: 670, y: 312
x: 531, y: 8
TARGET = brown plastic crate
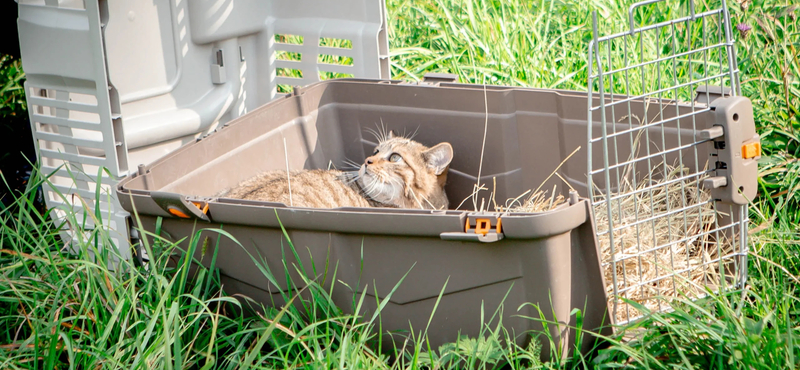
x: 544, y: 257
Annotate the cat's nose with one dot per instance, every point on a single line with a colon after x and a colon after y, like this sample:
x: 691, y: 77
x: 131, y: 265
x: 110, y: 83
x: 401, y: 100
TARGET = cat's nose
x: 369, y: 161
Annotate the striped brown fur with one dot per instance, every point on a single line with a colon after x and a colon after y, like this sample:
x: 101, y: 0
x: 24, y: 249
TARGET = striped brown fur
x: 309, y: 188
x: 400, y: 173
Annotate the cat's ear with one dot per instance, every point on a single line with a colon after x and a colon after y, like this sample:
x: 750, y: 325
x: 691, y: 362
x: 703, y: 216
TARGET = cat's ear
x: 391, y: 134
x: 439, y: 157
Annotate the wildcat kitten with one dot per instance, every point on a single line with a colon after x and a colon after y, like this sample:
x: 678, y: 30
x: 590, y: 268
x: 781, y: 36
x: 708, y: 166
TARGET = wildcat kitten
x: 400, y: 173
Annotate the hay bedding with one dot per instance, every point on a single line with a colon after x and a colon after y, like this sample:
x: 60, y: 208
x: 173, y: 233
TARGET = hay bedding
x: 649, y: 276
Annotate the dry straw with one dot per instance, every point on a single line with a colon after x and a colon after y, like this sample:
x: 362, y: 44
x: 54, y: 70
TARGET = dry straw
x: 673, y: 256
x: 679, y: 249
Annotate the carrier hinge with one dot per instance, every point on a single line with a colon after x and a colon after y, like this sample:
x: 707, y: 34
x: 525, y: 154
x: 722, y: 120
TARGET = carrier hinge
x: 136, y: 243
x: 704, y: 94
x: 434, y: 79
x: 218, y: 68
x: 736, y: 150
x: 182, y: 206
x: 483, y: 227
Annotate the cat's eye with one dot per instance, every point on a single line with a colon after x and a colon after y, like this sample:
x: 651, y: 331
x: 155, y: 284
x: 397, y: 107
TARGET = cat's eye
x: 375, y: 152
x: 395, y: 157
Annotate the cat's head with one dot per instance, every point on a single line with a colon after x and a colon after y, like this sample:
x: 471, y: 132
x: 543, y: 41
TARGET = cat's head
x: 404, y: 173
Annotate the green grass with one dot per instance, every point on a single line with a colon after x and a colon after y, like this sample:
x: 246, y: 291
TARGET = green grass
x: 60, y: 308
x: 12, y: 96
x: 321, y: 58
x: 69, y: 310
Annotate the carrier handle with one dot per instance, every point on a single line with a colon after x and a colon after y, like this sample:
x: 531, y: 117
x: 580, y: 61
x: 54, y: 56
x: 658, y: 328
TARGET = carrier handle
x: 633, y: 8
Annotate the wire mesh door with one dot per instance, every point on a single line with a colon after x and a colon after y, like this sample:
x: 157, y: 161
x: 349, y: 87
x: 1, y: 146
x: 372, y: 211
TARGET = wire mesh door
x: 661, y: 232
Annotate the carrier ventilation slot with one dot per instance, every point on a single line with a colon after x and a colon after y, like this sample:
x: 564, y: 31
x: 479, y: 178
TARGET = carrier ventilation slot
x: 335, y: 58
x: 72, y: 143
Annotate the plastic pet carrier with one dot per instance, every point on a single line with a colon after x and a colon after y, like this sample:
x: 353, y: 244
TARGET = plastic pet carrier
x: 550, y: 258
x: 656, y: 206
x: 654, y: 202
x: 540, y: 257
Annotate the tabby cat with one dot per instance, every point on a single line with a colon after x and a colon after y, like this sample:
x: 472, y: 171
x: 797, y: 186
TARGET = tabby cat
x: 400, y: 173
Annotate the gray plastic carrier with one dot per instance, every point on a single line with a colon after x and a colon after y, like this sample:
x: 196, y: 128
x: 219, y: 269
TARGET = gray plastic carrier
x: 115, y: 84
x: 544, y: 257
x: 171, y: 94
x: 550, y: 258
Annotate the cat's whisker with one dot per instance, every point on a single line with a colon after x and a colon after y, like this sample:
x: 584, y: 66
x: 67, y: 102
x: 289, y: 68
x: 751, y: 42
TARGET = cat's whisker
x: 399, y: 184
x: 375, y: 192
x: 377, y: 132
x: 384, y: 134
x: 350, y: 176
x: 352, y: 165
x: 374, y: 133
x: 414, y: 134
x: 394, y: 196
x: 371, y: 187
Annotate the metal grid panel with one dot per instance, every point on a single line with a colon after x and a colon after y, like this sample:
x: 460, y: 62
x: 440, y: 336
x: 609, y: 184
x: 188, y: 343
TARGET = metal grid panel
x: 662, y: 234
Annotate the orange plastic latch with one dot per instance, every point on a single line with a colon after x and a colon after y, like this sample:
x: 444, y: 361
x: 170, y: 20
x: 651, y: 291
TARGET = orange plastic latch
x: 499, y: 223
x: 482, y: 226
x: 202, y: 208
x: 177, y: 212
x: 751, y: 150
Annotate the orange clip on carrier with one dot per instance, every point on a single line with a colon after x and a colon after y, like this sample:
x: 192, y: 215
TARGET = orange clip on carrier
x: 177, y: 212
x: 202, y: 208
x: 482, y: 226
x: 751, y: 150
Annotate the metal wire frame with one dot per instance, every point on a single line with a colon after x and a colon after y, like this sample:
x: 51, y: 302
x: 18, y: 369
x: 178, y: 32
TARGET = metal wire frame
x: 611, y: 62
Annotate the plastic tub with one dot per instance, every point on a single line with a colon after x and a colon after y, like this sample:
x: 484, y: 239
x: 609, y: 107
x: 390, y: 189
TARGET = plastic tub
x: 550, y: 258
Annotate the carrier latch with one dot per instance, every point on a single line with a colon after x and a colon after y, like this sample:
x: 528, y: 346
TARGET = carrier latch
x: 736, y: 150
x: 480, y: 227
x: 436, y: 78
x: 182, y: 206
